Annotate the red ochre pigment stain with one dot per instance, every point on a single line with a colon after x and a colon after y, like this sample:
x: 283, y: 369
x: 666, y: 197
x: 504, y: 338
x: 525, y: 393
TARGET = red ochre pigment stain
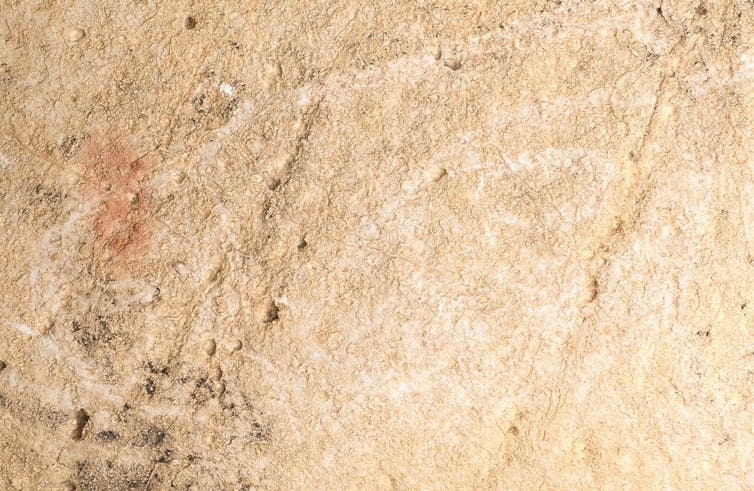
x: 115, y: 179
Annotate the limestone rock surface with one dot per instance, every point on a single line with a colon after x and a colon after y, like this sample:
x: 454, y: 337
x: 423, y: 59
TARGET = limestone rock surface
x: 318, y: 244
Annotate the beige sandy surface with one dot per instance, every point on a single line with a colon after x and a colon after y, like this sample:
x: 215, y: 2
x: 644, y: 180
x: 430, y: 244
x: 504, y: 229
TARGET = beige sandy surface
x: 376, y: 245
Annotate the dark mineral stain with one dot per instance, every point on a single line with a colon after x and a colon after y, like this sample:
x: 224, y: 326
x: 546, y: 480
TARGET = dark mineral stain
x: 153, y: 435
x: 108, y: 436
x: 167, y: 456
x: 149, y: 387
x: 156, y: 369
x: 259, y: 432
x: 93, y: 475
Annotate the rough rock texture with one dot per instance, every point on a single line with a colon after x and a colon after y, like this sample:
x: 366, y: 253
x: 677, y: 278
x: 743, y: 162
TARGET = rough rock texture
x: 372, y: 245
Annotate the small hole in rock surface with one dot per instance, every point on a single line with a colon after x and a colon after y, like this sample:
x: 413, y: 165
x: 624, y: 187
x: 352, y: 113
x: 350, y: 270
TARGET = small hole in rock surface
x: 189, y: 22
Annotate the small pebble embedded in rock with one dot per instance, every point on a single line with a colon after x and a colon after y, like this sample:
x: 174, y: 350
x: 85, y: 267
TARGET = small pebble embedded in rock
x: 73, y: 34
x: 436, y: 173
x: 267, y: 312
x: 453, y: 63
x: 272, y: 183
x: 210, y: 347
